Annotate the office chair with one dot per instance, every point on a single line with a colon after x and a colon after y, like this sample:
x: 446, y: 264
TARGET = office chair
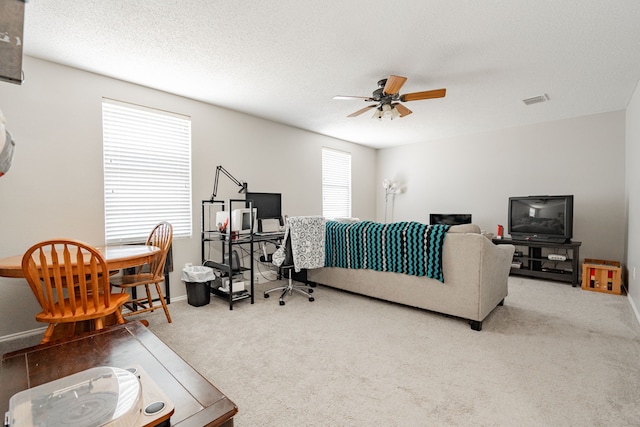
x: 287, y: 264
x: 151, y: 274
x: 70, y: 280
x: 309, y: 232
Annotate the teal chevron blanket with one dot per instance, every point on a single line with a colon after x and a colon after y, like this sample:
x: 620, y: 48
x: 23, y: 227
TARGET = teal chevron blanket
x: 401, y: 247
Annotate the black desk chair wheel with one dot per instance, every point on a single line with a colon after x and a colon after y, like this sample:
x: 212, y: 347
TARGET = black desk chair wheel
x: 302, y: 288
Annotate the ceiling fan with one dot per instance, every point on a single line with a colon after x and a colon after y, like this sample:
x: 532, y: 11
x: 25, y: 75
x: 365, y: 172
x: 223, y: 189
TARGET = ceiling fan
x: 387, y: 98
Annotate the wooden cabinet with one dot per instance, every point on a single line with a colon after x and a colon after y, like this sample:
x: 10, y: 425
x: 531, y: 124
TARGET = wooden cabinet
x: 601, y: 276
x: 532, y: 259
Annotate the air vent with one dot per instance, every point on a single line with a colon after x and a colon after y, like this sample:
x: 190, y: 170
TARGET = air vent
x: 536, y: 99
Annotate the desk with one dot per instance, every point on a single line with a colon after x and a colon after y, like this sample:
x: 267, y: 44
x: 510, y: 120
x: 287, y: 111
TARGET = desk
x: 117, y: 258
x: 229, y: 271
x: 210, y: 235
x: 197, y: 402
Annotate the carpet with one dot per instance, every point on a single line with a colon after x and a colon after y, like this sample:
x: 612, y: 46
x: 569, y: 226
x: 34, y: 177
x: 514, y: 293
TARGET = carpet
x: 553, y: 355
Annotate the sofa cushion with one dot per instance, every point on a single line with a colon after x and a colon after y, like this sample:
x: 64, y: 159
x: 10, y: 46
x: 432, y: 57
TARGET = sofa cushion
x: 465, y: 228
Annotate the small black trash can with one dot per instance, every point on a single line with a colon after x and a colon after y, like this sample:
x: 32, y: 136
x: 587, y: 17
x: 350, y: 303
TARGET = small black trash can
x: 198, y: 279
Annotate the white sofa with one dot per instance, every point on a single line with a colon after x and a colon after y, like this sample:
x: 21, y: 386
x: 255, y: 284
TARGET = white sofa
x: 475, y: 278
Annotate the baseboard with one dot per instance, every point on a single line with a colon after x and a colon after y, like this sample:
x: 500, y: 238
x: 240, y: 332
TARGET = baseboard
x: 23, y: 334
x: 633, y: 306
x: 178, y: 298
x: 40, y: 331
x: 265, y: 276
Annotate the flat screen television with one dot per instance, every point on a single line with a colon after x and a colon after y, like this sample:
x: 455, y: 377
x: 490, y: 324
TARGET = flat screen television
x: 267, y: 205
x: 449, y: 219
x: 542, y: 218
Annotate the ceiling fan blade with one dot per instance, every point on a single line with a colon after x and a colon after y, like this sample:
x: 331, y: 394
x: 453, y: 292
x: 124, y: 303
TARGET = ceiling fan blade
x: 394, y: 84
x: 404, y: 111
x: 362, y: 110
x: 428, y: 94
x: 366, y: 98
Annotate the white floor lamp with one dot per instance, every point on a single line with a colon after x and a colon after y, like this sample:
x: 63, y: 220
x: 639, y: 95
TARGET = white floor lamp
x: 390, y: 187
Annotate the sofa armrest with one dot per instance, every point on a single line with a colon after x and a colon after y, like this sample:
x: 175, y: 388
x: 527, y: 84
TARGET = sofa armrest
x: 494, y: 270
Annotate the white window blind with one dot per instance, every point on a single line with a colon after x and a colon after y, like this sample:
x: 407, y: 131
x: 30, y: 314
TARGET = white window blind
x: 336, y: 184
x: 147, y: 171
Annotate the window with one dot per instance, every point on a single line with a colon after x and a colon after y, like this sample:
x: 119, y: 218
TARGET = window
x: 147, y: 171
x: 336, y: 184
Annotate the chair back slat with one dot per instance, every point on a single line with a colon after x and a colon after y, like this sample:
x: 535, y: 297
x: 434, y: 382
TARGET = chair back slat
x: 68, y: 283
x: 93, y: 287
x: 81, y: 285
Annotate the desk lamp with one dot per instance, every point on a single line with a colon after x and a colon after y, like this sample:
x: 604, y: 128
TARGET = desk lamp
x: 241, y: 184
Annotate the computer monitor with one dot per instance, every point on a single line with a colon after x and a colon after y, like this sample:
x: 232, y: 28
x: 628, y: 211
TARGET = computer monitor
x: 240, y: 219
x: 449, y: 219
x: 268, y: 206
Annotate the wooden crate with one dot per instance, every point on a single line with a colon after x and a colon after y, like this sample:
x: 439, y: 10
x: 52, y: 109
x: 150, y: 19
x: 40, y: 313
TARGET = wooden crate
x: 600, y: 275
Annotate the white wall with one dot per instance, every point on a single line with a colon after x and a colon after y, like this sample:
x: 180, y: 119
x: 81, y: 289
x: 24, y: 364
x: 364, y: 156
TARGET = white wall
x: 477, y: 174
x: 633, y: 199
x: 55, y: 186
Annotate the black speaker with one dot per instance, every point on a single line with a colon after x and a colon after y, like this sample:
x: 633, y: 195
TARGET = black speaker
x: 11, y: 30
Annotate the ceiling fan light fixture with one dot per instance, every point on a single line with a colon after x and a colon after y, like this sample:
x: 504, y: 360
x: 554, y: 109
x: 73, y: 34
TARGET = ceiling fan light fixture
x: 386, y: 111
x: 377, y: 114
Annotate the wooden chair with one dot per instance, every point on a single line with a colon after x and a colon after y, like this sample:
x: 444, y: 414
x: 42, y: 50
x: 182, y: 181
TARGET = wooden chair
x: 150, y: 274
x: 70, y: 280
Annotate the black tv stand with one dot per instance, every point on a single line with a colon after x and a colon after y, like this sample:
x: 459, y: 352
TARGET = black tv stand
x: 535, y: 262
x: 540, y: 239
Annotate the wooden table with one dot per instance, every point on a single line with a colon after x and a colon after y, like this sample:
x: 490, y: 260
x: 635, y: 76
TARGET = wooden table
x: 197, y: 402
x: 117, y: 258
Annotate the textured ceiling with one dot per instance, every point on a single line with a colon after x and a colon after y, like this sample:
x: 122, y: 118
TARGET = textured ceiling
x: 284, y: 60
